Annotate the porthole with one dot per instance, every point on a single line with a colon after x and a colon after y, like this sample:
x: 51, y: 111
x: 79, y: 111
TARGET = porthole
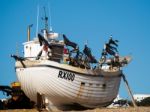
x: 104, y: 86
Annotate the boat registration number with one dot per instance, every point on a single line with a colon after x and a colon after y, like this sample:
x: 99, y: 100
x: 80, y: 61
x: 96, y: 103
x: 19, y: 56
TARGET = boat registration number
x: 66, y: 75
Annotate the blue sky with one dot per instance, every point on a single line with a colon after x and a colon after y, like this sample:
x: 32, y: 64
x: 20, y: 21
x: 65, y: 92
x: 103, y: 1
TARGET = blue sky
x: 82, y: 20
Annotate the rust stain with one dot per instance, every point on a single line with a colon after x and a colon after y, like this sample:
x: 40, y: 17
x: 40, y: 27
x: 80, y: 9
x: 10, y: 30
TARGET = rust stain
x: 89, y: 90
x: 79, y: 94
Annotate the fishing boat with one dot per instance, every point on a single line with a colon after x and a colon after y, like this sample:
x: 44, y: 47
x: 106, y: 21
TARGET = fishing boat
x: 56, y: 69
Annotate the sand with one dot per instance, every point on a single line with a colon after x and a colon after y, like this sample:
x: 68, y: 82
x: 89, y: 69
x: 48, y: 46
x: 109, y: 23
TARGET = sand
x: 130, y: 109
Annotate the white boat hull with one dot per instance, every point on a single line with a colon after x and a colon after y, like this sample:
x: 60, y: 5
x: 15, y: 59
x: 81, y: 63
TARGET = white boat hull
x: 63, y: 86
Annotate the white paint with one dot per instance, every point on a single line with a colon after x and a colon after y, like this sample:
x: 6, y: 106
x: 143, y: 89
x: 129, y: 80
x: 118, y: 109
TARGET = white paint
x: 140, y: 97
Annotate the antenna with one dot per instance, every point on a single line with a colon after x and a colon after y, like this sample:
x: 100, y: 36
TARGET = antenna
x: 37, y: 21
x: 17, y: 49
x: 86, y: 42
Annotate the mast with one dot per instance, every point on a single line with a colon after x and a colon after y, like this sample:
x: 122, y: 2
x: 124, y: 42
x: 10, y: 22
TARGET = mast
x: 45, y: 20
x: 37, y: 21
x: 50, y: 16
